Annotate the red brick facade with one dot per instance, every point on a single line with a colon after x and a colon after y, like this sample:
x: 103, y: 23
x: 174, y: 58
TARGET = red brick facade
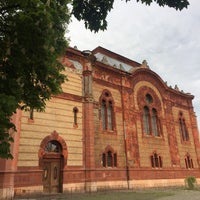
x: 116, y: 124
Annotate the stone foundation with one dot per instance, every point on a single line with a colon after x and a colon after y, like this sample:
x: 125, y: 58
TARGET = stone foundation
x: 7, y: 193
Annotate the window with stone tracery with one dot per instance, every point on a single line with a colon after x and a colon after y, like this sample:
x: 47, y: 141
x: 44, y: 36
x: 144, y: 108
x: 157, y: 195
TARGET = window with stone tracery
x: 188, y: 162
x: 150, y: 118
x: 109, y: 158
x: 156, y: 161
x: 107, y: 111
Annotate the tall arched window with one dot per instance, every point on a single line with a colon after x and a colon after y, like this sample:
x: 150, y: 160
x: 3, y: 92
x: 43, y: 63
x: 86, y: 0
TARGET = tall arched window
x: 150, y: 118
x: 183, y: 129
x: 110, y: 111
x: 154, y: 121
x: 107, y: 112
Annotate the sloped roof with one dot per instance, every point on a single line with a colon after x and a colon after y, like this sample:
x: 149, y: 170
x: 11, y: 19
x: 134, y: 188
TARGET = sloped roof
x: 115, y: 60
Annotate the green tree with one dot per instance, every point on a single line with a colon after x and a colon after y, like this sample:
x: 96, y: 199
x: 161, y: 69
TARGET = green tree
x: 94, y: 12
x: 32, y: 38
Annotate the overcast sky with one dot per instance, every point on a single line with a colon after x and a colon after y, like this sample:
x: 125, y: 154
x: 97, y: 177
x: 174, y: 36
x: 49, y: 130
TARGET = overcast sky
x: 168, y: 39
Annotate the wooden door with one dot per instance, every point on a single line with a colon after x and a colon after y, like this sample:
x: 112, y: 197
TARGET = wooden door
x: 51, y: 176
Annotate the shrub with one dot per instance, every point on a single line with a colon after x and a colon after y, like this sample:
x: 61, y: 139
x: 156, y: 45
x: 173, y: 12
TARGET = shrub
x: 190, y: 182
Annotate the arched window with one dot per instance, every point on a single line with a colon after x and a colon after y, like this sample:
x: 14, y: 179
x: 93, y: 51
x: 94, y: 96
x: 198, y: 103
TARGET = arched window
x: 154, y: 121
x: 156, y: 161
x: 107, y: 111
x: 110, y: 111
x: 146, y: 120
x: 183, y: 128
x: 103, y: 114
x: 188, y: 162
x: 149, y: 99
x: 150, y: 118
x: 109, y: 159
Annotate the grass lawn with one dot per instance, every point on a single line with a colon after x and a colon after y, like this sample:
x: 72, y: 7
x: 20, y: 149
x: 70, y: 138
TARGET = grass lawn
x: 126, y: 195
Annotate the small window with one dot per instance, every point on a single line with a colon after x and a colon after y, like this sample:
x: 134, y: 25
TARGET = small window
x: 109, y: 159
x: 149, y: 99
x: 156, y: 161
x: 31, y: 114
x: 75, y: 111
x: 104, y: 160
x: 189, y: 162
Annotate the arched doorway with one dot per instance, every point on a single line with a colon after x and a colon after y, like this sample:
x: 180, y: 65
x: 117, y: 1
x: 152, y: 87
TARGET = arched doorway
x: 52, y: 159
x: 52, y: 163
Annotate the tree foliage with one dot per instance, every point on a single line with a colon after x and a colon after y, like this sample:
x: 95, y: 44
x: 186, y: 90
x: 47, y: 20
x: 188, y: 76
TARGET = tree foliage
x: 32, y: 37
x: 31, y: 40
x: 94, y: 12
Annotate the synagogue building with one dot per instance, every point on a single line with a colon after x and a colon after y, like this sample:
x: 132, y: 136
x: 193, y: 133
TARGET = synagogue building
x: 116, y: 124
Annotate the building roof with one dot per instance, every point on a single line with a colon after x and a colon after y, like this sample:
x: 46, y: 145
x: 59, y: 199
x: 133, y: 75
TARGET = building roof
x: 115, y: 60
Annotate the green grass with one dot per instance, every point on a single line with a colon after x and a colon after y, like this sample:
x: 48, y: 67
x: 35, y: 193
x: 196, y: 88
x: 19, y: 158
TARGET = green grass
x: 141, y: 195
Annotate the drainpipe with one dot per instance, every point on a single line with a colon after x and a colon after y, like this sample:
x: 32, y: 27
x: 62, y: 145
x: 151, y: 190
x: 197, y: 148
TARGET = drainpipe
x: 124, y: 131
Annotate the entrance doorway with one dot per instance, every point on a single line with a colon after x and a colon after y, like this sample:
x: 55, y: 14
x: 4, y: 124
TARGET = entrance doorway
x: 52, y: 164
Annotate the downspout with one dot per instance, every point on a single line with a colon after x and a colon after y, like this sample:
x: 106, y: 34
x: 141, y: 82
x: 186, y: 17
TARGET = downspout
x: 124, y: 131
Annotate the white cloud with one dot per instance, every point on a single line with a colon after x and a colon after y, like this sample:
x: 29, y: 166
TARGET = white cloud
x: 168, y: 39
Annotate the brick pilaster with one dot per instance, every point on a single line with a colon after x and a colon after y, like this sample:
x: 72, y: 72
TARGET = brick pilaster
x: 88, y: 123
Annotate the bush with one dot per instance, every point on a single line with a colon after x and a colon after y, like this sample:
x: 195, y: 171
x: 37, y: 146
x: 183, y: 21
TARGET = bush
x: 190, y: 182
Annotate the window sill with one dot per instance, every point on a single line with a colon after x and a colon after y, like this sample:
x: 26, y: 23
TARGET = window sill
x: 109, y: 132
x: 75, y: 125
x: 30, y: 121
x: 185, y: 142
x: 152, y: 136
x: 157, y: 168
